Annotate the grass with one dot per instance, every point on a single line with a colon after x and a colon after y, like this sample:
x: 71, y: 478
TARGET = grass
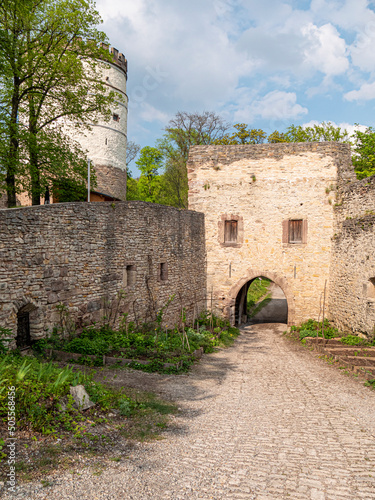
x: 106, y: 431
x: 257, y: 290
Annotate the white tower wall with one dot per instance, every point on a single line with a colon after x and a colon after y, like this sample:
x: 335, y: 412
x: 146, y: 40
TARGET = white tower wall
x: 106, y: 142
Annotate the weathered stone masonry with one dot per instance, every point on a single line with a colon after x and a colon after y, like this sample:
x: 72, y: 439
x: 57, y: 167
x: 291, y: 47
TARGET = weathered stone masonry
x: 263, y: 187
x: 352, y: 297
x: 79, y: 253
x: 251, y: 199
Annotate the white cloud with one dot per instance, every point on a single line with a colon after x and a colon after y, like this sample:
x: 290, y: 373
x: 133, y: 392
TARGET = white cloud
x: 326, y: 50
x: 351, y: 15
x: 245, y: 59
x: 149, y: 113
x: 274, y: 106
x: 365, y: 93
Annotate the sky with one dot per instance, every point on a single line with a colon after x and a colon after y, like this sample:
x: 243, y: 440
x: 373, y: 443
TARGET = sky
x: 266, y: 63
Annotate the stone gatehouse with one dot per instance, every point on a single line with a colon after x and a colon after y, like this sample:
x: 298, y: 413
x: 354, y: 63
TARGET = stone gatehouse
x: 277, y: 211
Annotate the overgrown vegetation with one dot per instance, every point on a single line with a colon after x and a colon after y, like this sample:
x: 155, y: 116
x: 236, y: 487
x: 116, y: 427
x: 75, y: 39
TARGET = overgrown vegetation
x: 312, y: 328
x: 52, y: 432
x: 151, y: 342
x: 43, y: 400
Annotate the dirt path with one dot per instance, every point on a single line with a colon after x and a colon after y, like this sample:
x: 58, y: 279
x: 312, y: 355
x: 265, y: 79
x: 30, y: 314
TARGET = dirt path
x: 265, y: 419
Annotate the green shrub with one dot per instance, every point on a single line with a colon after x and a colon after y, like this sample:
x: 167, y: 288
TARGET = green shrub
x: 5, y: 336
x: 84, y: 345
x: 352, y: 340
x: 151, y: 341
x: 312, y: 328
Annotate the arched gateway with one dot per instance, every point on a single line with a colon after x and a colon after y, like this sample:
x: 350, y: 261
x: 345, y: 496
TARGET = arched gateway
x: 268, y: 207
x: 238, y: 293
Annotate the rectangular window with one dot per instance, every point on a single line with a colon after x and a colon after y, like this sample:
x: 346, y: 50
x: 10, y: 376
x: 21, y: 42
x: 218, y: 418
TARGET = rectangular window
x: 295, y: 231
x: 230, y: 231
x: 116, y: 117
x: 371, y: 289
x: 131, y: 275
x: 163, y: 271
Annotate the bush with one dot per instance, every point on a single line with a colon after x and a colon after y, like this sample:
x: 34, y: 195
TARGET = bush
x: 39, y: 389
x: 86, y: 346
x: 312, y: 328
x: 353, y: 340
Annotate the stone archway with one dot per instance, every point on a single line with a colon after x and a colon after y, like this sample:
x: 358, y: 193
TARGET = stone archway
x: 250, y: 275
x: 30, y: 325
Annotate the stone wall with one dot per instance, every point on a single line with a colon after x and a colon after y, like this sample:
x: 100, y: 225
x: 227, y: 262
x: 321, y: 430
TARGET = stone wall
x: 352, y: 298
x: 263, y: 187
x: 79, y: 253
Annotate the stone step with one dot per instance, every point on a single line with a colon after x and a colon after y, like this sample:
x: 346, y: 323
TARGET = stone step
x: 352, y: 351
x: 358, y: 361
x: 320, y: 341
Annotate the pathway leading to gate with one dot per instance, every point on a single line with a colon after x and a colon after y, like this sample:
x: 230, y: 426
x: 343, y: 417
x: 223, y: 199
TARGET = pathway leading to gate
x: 265, y: 419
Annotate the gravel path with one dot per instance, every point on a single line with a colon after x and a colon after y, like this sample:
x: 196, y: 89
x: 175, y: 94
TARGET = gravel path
x: 265, y: 419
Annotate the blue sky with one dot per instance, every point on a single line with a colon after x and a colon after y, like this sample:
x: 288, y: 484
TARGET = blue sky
x: 267, y: 63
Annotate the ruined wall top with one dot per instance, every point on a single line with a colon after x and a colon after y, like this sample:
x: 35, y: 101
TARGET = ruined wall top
x: 357, y: 200
x: 224, y: 155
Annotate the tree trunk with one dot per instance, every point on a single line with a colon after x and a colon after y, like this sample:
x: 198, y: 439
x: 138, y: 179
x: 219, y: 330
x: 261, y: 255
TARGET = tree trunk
x: 13, y: 146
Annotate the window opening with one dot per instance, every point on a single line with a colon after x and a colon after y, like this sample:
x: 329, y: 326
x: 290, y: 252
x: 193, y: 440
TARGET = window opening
x: 163, y: 271
x: 131, y: 275
x: 230, y: 231
x: 295, y: 231
x: 116, y: 117
x: 371, y: 289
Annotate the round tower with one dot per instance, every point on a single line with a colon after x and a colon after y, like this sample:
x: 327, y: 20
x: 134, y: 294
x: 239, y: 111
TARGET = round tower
x: 106, y: 142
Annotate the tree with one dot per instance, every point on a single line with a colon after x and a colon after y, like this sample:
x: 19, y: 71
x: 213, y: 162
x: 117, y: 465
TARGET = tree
x: 49, y: 53
x: 364, y: 153
x: 187, y: 129
x: 149, y: 185
x: 183, y: 131
x: 277, y: 137
x: 132, y: 150
x: 243, y: 135
x: 315, y: 133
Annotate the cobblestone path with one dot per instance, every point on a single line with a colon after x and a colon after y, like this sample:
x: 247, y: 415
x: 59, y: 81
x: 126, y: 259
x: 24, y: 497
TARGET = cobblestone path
x: 265, y: 419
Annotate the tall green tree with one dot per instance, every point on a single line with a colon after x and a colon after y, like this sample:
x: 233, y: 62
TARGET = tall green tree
x: 149, y: 183
x: 243, y: 135
x: 364, y: 153
x: 49, y: 51
x: 182, y: 132
x: 324, y: 131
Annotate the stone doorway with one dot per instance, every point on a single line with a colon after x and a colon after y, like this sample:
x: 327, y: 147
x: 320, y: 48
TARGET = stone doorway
x: 280, y: 309
x: 29, y: 325
x: 260, y: 300
x: 23, y: 338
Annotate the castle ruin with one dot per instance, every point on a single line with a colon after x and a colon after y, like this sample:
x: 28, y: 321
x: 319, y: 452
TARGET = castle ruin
x: 294, y: 213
